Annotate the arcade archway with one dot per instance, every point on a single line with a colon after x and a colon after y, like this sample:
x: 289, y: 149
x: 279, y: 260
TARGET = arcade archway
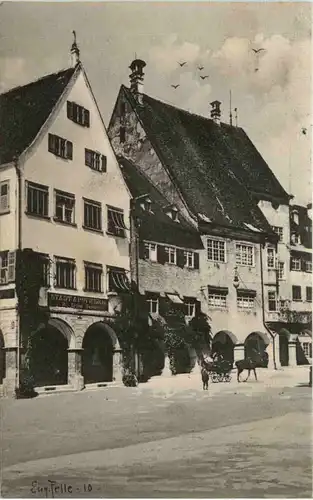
x: 255, y: 347
x: 48, y: 360
x: 98, y: 347
x: 223, y: 344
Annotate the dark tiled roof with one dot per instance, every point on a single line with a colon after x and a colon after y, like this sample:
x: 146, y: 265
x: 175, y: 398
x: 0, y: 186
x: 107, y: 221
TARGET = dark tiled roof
x: 213, y: 165
x: 157, y: 226
x: 24, y: 110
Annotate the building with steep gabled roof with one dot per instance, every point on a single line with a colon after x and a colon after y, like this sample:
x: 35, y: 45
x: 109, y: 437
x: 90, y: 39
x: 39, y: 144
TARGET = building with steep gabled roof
x: 219, y: 181
x: 64, y: 235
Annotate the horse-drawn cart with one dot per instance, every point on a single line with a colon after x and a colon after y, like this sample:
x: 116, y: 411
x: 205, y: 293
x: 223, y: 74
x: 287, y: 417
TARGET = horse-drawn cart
x: 219, y: 371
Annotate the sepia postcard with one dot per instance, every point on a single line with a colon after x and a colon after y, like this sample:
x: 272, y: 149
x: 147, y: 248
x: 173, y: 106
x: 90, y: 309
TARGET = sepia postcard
x: 155, y: 249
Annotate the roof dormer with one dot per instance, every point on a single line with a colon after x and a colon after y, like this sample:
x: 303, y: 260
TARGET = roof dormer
x: 146, y: 204
x: 172, y: 212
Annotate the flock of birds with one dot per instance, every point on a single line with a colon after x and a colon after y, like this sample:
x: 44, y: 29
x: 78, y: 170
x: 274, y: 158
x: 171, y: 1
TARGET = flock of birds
x: 200, y: 68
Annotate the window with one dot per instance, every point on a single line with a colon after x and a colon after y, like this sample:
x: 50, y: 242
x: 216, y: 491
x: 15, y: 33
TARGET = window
x: 65, y: 273
x: 92, y: 215
x: 170, y: 255
x: 60, y: 147
x: 309, y: 294
x: 78, y: 114
x: 122, y: 134
x: 295, y: 238
x: 150, y: 251
x: 153, y: 304
x: 245, y: 301
x: 296, y: 292
x: 190, y: 308
x: 189, y: 259
x: 217, y: 296
x: 116, y: 224
x: 295, y: 217
x: 295, y: 264
x: 45, y: 270
x: 7, y: 267
x: 244, y: 255
x: 4, y: 196
x: 95, y: 160
x: 64, y: 207
x: 307, y: 349
x: 278, y: 230
x: 271, y: 258
x: 308, y: 266
x: 118, y: 280
x: 216, y: 250
x: 93, y: 277
x: 272, y: 301
x: 281, y: 270
x: 37, y: 199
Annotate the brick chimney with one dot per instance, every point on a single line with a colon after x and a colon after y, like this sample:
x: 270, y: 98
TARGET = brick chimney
x: 216, y: 111
x: 136, y: 78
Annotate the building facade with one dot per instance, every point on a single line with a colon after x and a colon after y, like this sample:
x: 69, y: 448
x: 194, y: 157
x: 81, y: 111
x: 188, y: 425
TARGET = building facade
x: 65, y: 212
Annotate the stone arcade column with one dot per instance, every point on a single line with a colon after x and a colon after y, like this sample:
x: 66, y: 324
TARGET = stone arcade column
x: 10, y: 380
x: 74, y: 377
x: 117, y: 365
x: 292, y: 347
x: 273, y: 347
x: 239, y: 352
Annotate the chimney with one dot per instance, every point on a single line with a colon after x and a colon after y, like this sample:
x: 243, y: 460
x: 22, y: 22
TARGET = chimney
x: 216, y: 111
x: 74, y: 52
x: 136, y: 79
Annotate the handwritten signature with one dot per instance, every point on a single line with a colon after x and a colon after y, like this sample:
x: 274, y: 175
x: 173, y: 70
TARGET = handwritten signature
x: 53, y: 488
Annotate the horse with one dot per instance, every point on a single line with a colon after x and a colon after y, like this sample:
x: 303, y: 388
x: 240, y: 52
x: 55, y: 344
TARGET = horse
x: 246, y: 364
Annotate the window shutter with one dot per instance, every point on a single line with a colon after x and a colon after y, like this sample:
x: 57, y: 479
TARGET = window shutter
x: 162, y: 306
x: 196, y: 260
x: 4, y: 196
x: 11, y: 266
x: 180, y: 258
x: 198, y: 307
x: 70, y: 110
x: 51, y: 143
x: 161, y: 254
x: 290, y: 265
x: 69, y: 150
x: 103, y: 163
x: 141, y: 249
x: 302, y: 262
x: 86, y: 118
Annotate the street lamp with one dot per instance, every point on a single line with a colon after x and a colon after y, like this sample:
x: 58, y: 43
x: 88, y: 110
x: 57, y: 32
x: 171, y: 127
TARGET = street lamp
x: 236, y: 278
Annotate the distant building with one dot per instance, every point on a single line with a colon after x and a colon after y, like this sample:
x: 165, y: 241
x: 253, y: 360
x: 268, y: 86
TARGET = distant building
x: 64, y: 211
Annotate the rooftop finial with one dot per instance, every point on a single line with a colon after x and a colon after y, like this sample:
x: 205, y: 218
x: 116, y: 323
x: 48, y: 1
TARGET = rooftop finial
x: 74, y: 51
x: 230, y: 113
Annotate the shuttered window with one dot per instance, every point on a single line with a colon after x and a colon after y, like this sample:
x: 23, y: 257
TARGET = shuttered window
x: 4, y: 196
x: 95, y: 160
x: 60, y: 147
x: 78, y: 114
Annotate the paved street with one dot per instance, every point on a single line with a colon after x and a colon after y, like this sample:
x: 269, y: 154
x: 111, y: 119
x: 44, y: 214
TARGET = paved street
x: 170, y: 440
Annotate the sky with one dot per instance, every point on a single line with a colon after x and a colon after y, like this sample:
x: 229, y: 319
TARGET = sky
x: 270, y: 89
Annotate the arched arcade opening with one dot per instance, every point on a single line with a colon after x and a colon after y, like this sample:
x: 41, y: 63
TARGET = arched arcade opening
x: 223, y: 344
x: 98, y: 348
x: 255, y: 348
x: 48, y: 360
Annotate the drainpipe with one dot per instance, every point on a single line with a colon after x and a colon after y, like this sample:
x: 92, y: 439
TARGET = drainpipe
x: 135, y: 268
x: 263, y: 309
x: 19, y: 247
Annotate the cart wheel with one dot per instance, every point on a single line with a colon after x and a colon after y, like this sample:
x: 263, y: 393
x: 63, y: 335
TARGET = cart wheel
x: 221, y: 377
x: 227, y: 377
x: 215, y: 377
x: 242, y: 378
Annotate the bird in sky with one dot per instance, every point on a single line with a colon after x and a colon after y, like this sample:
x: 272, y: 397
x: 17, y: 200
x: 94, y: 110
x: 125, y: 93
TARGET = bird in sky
x: 204, y: 77
x: 182, y: 64
x: 175, y: 86
x: 200, y: 68
x: 257, y: 50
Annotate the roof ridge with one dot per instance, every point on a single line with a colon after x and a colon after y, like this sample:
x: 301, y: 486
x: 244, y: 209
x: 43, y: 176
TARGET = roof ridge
x: 18, y: 87
x: 206, y: 118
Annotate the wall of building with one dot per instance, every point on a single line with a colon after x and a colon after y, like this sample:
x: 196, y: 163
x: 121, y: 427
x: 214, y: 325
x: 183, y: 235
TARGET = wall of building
x: 73, y: 176
x: 8, y: 233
